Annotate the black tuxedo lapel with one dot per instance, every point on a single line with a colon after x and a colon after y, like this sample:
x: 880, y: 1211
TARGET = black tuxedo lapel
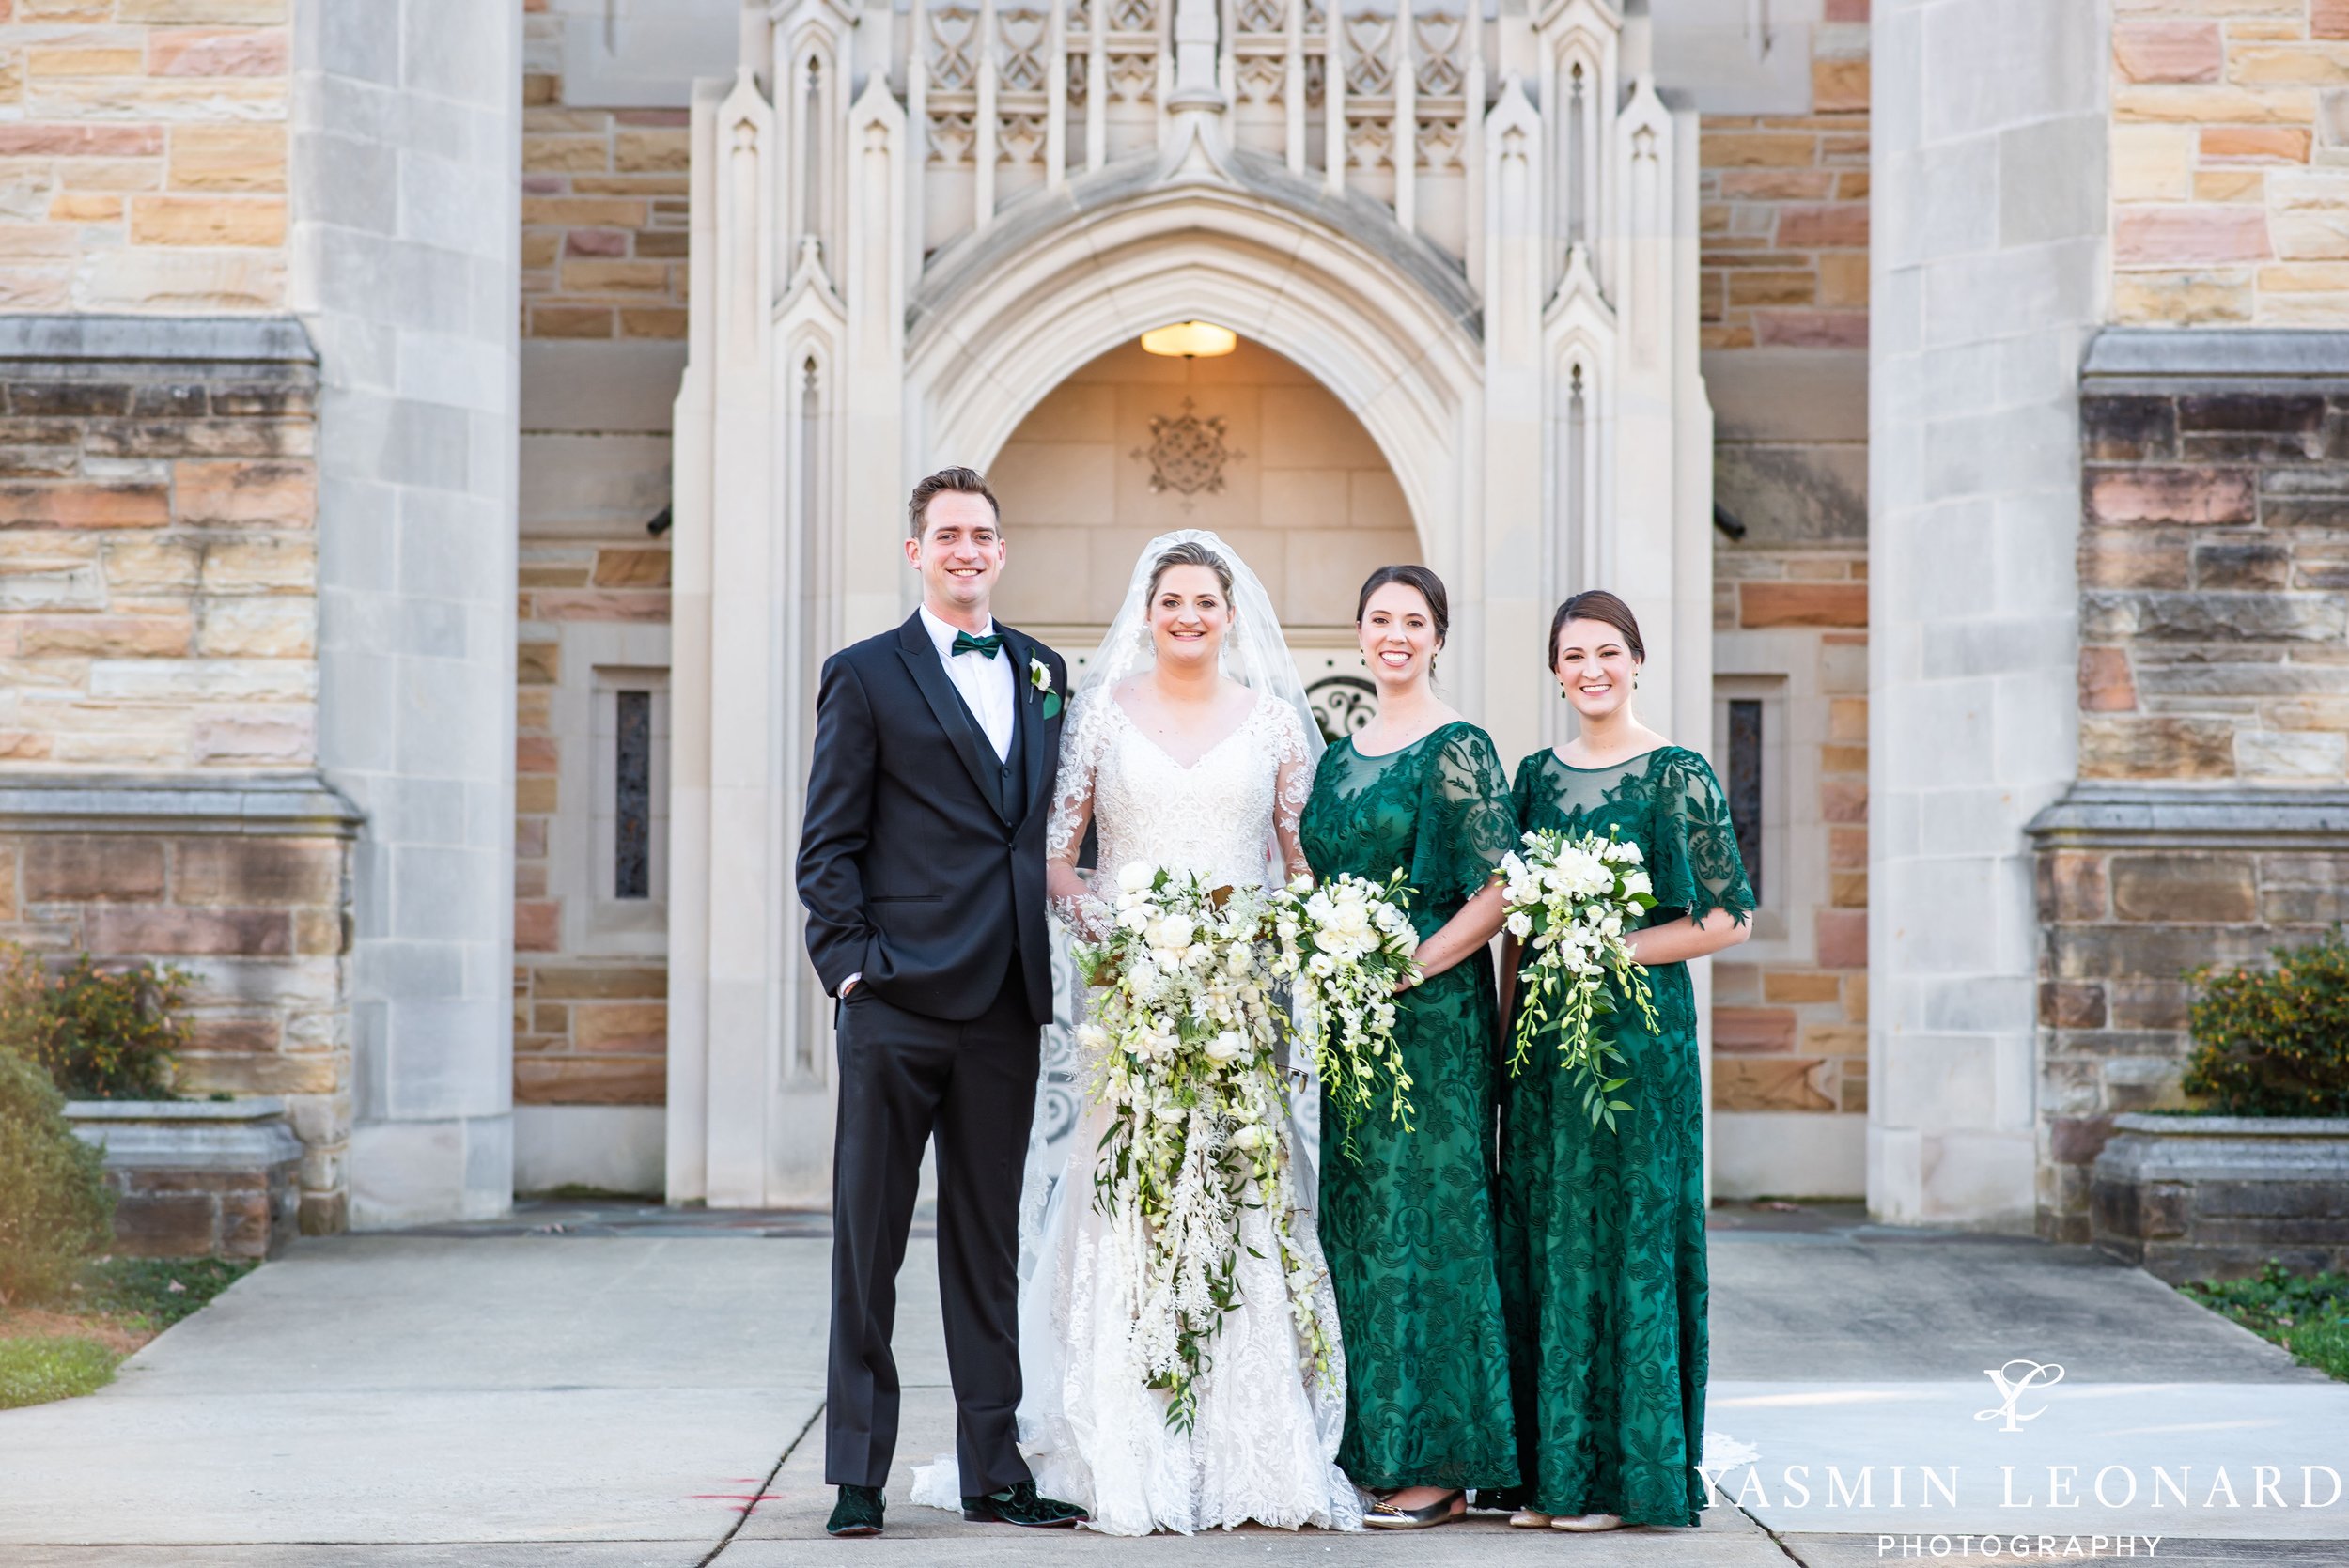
x: 1030, y: 708
x: 954, y: 715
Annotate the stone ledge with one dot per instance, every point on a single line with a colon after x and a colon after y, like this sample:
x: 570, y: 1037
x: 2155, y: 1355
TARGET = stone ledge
x: 266, y: 804
x: 259, y: 1108
x: 213, y: 339
x: 2233, y: 1126
x: 2226, y: 354
x: 2116, y: 815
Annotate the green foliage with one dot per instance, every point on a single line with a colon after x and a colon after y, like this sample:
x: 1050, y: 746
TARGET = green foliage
x: 155, y: 1293
x: 100, y: 1034
x: 36, y: 1371
x: 55, y: 1205
x: 2307, y: 1314
x: 2274, y: 1042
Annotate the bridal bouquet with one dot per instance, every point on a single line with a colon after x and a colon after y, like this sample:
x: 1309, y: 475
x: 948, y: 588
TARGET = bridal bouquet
x: 1570, y: 901
x: 1344, y: 945
x: 1186, y: 1027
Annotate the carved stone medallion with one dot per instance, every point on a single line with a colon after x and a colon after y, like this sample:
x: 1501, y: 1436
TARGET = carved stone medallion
x: 1187, y: 454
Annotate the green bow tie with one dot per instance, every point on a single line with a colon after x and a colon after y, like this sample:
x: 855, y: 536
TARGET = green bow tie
x: 965, y: 642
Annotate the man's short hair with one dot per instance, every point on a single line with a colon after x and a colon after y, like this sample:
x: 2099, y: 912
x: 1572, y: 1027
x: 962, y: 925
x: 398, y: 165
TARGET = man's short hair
x: 966, y: 481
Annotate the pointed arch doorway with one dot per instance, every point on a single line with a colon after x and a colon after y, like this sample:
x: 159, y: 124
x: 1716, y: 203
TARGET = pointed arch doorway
x: 1248, y: 445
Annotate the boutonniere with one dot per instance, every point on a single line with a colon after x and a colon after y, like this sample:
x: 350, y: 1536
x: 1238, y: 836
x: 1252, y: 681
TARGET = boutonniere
x: 1040, y: 676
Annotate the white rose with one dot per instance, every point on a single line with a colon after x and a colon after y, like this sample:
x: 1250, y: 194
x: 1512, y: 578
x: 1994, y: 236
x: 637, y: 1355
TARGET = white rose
x: 1173, y: 931
x: 1520, y: 924
x: 1169, y: 1115
x: 1226, y: 1047
x: 1250, y: 1137
x: 1636, y: 881
x: 1144, y: 978
x: 1092, y: 1037
x: 1135, y: 876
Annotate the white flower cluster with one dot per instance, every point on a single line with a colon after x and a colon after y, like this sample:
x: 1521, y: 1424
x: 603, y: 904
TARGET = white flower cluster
x: 1570, y: 902
x: 1185, y: 1027
x: 1346, y: 946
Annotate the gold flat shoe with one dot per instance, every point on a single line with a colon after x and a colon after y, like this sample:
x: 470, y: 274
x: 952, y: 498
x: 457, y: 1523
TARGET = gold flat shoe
x: 1528, y: 1518
x: 1385, y: 1516
x: 1587, y: 1523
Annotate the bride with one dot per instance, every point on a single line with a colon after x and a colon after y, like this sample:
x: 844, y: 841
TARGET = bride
x: 1188, y: 745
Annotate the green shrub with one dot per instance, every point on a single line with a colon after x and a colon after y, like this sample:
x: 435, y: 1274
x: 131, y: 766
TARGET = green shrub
x: 2274, y: 1042
x: 55, y: 1205
x: 36, y: 1371
x: 100, y: 1034
x: 2307, y: 1313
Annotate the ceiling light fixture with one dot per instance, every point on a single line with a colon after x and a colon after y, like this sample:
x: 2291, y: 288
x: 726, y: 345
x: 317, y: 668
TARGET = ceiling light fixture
x: 1190, y: 340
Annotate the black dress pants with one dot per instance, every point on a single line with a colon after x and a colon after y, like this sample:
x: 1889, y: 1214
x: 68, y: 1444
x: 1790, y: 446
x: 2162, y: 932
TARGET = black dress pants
x: 905, y: 1076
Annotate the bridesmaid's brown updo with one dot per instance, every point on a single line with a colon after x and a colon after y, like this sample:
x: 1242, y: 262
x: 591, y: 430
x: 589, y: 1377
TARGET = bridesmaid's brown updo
x: 1429, y: 585
x: 1597, y: 604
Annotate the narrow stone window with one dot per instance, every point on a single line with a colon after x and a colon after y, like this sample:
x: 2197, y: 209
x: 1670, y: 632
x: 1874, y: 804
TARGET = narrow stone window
x: 1745, y: 785
x: 632, y: 817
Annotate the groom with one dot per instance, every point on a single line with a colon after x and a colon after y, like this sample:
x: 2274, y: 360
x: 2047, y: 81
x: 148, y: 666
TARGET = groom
x: 922, y: 868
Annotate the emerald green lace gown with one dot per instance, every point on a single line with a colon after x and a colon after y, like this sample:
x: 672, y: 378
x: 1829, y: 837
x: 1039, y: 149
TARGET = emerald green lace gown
x: 1407, y: 1221
x: 1602, y: 1233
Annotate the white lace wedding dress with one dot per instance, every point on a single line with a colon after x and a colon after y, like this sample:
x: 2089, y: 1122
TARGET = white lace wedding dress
x: 1264, y: 1444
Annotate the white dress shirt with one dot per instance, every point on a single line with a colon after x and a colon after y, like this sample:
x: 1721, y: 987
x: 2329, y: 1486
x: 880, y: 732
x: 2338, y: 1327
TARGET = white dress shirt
x: 989, y: 687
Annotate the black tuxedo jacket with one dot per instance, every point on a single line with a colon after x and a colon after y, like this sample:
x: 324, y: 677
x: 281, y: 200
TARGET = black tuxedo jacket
x: 914, y: 870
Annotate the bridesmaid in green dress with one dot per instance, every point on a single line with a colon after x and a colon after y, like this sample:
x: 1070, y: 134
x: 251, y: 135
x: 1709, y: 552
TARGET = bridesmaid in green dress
x: 1602, y: 1231
x: 1406, y: 1219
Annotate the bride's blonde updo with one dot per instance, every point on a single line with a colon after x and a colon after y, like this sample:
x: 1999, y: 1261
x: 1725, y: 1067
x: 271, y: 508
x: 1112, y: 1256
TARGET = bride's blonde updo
x: 1190, y: 552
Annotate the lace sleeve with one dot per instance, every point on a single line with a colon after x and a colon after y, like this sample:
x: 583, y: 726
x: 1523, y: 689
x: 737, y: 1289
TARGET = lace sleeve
x: 1080, y: 744
x: 1696, y: 866
x: 1293, y: 783
x: 1466, y: 822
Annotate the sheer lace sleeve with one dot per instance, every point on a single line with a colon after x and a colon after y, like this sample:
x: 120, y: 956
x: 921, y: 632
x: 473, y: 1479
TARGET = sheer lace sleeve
x: 1466, y: 822
x: 1082, y: 742
x: 1293, y: 783
x: 1696, y: 866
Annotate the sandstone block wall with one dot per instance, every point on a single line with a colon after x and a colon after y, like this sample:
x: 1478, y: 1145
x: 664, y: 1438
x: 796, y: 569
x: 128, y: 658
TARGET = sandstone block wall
x: 243, y: 882
x: 1785, y: 307
x: 2211, y: 823
x: 1784, y: 259
x: 143, y: 159
x: 603, y: 280
x: 2139, y: 888
x: 157, y: 555
x: 2230, y: 163
x: 2213, y: 561
x: 604, y: 208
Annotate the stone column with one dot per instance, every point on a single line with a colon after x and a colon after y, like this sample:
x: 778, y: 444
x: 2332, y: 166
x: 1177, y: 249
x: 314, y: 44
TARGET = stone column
x: 405, y: 240
x: 1989, y: 220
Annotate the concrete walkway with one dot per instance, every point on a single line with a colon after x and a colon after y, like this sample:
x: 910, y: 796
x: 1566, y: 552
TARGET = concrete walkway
x: 644, y: 1389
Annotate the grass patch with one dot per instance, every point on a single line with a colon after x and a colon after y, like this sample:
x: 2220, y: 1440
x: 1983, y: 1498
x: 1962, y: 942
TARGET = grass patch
x: 153, y: 1292
x: 70, y: 1344
x: 36, y: 1371
x: 2305, y: 1313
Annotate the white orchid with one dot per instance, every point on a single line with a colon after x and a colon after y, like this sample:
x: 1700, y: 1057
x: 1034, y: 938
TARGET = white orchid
x: 1186, y: 1028
x: 1570, y: 902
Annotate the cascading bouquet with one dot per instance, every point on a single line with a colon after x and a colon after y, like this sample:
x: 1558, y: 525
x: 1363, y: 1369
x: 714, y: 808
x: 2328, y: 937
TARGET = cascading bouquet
x: 1344, y: 946
x: 1186, y: 1027
x: 1570, y: 902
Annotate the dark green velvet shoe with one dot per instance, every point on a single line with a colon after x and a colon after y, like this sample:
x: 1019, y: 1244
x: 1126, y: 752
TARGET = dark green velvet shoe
x: 1018, y: 1504
x: 857, y: 1512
